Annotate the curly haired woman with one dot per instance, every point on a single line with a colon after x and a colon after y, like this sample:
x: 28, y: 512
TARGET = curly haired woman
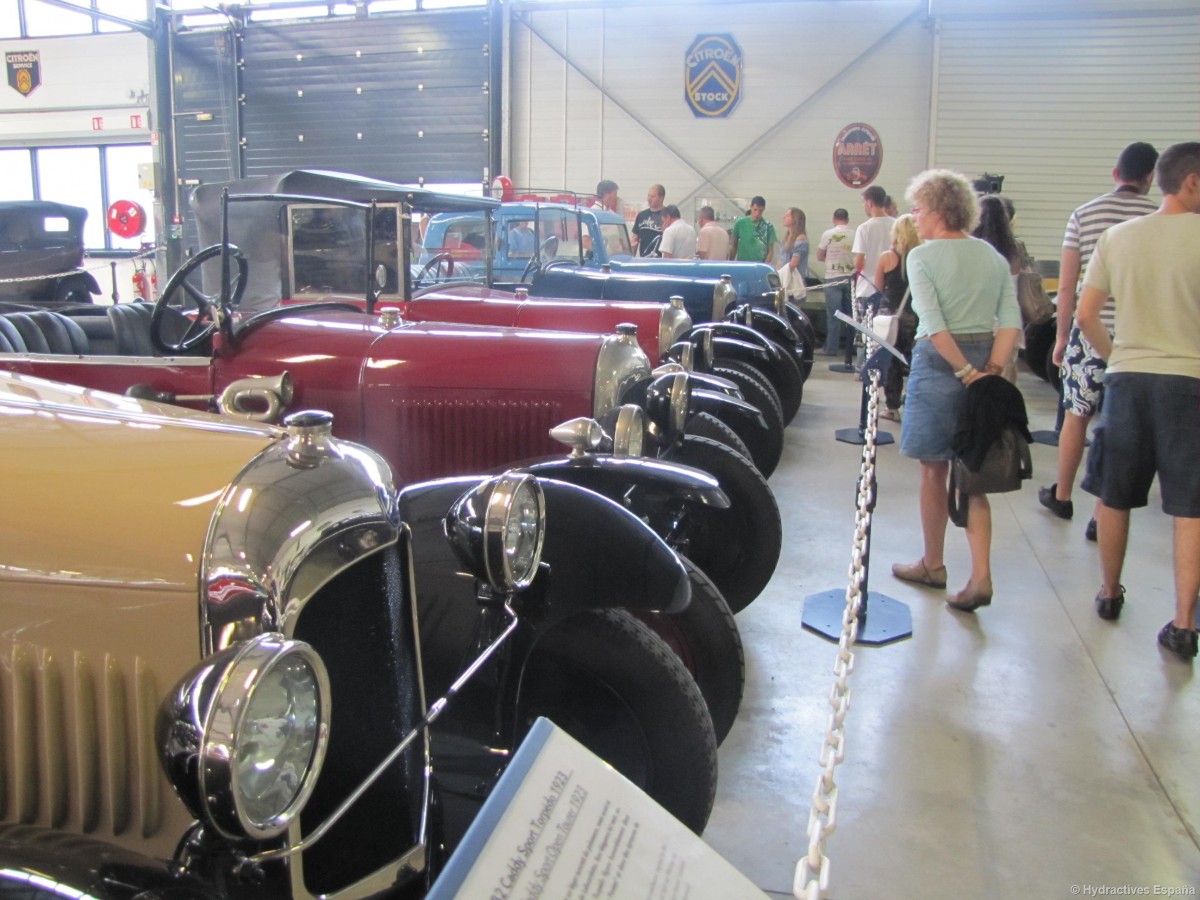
x: 960, y: 288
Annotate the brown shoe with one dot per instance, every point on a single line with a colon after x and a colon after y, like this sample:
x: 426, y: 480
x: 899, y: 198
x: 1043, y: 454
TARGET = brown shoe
x: 919, y: 573
x: 972, y: 597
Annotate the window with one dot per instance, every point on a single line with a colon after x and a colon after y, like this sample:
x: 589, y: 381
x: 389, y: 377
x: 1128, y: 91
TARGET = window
x: 72, y: 175
x: 16, y: 175
x: 121, y: 167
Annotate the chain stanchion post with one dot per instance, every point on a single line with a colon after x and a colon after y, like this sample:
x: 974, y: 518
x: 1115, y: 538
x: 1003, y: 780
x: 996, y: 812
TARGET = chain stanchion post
x: 842, y: 615
x: 889, y: 619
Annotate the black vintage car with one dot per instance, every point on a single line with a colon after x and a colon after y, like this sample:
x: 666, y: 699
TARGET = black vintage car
x: 42, y: 244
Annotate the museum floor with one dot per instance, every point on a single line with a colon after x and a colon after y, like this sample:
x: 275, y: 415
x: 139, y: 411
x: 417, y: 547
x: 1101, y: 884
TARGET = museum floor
x: 1029, y: 751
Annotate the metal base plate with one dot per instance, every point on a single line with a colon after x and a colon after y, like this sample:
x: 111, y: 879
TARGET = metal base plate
x: 886, y: 621
x: 1047, y: 437
x: 843, y: 368
x: 855, y: 436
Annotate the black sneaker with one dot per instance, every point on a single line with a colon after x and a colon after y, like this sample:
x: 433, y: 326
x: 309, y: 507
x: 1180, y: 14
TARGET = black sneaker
x: 1089, y: 533
x: 1180, y: 641
x: 1110, y: 607
x: 1064, y: 509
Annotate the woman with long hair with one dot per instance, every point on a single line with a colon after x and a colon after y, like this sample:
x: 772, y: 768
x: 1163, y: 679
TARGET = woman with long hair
x: 890, y: 275
x: 960, y: 289
x: 995, y: 227
x: 793, y: 249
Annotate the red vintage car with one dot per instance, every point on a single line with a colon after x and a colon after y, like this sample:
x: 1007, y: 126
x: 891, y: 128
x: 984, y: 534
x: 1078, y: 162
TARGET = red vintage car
x: 321, y: 255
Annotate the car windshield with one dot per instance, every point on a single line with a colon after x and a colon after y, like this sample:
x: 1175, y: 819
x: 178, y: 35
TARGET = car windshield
x: 328, y: 250
x: 616, y: 240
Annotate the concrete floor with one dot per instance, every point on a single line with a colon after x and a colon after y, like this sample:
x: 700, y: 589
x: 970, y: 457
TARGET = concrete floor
x: 1022, y: 752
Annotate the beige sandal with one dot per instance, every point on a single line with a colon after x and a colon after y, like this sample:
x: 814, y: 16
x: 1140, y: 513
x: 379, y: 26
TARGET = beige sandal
x: 919, y: 573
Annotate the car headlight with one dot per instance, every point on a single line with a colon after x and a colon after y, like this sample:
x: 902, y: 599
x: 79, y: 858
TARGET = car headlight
x: 629, y: 431
x: 243, y: 736
x: 667, y: 400
x: 620, y: 365
x: 673, y: 325
x: 498, y: 528
x: 724, y: 296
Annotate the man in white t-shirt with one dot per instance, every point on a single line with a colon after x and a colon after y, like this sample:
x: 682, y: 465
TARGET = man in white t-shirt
x: 834, y: 249
x: 678, y: 237
x: 872, y: 238
x: 713, y: 240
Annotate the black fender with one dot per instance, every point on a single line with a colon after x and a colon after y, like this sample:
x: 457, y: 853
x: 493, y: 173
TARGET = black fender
x: 730, y: 410
x: 97, y: 869
x: 708, y: 382
x: 630, y: 568
x: 766, y: 322
x: 613, y: 476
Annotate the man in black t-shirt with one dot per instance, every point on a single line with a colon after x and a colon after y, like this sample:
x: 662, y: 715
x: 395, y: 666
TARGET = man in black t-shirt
x: 648, y: 226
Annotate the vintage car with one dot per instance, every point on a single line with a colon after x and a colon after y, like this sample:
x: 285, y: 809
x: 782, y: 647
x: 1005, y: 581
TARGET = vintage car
x: 238, y: 662
x: 435, y: 399
x: 587, y: 249
x: 322, y: 255
x: 440, y: 400
x: 41, y: 252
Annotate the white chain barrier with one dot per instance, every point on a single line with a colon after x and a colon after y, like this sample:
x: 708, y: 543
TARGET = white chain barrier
x: 102, y: 264
x: 812, y: 871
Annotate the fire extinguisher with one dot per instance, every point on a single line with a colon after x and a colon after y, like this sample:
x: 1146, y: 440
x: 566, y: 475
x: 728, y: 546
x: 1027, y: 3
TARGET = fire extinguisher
x: 145, y: 284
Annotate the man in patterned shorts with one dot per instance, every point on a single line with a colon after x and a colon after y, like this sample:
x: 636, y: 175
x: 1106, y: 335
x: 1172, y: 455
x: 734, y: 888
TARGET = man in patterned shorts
x: 1082, y: 369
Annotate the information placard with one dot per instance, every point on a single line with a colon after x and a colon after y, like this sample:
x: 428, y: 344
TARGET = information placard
x: 563, y: 824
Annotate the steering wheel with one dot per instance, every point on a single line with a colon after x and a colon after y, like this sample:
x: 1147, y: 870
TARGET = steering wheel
x: 179, y: 290
x: 442, y: 267
x: 547, y: 251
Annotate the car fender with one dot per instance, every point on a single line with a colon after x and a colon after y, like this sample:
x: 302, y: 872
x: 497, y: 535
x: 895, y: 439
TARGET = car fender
x: 631, y: 568
x: 32, y: 857
x: 725, y: 407
x: 765, y: 322
x: 612, y: 476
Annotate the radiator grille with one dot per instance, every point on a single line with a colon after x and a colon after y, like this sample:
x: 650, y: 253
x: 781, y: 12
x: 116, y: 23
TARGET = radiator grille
x: 439, y: 438
x: 77, y: 743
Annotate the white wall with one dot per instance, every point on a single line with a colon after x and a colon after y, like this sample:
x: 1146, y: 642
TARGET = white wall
x: 94, y: 89
x: 813, y: 66
x: 809, y: 70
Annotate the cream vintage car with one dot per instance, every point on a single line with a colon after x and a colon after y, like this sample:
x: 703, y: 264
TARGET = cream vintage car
x: 211, y: 670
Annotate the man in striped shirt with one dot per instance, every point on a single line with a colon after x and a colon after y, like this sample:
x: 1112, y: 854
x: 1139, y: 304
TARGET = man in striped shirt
x: 1082, y: 369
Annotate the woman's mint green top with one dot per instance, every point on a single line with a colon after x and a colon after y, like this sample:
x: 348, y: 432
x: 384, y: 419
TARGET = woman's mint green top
x: 961, y: 286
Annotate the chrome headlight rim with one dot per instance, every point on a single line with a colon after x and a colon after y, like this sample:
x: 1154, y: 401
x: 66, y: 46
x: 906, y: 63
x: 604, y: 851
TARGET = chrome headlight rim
x: 502, y: 502
x: 674, y: 323
x: 224, y: 729
x: 629, y: 431
x: 668, y: 399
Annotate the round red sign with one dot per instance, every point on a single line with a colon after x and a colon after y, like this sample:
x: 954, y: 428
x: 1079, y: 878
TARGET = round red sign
x: 857, y: 155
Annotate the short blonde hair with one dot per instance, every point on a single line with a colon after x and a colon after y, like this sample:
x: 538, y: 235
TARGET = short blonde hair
x: 948, y: 194
x: 904, y: 235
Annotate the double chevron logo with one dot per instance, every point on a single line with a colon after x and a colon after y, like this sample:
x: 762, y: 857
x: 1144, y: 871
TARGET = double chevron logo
x: 712, y: 73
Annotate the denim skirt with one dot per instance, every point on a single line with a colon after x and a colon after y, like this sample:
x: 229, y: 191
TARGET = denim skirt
x: 935, y: 397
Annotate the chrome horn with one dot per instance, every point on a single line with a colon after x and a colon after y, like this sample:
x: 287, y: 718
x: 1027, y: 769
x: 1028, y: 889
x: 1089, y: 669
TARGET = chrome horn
x: 258, y: 398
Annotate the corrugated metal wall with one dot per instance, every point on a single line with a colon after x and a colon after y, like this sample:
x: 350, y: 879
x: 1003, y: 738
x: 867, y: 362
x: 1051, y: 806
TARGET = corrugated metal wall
x: 404, y: 98
x: 1050, y: 102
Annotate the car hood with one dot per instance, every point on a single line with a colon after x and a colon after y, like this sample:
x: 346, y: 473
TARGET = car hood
x: 106, y: 489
